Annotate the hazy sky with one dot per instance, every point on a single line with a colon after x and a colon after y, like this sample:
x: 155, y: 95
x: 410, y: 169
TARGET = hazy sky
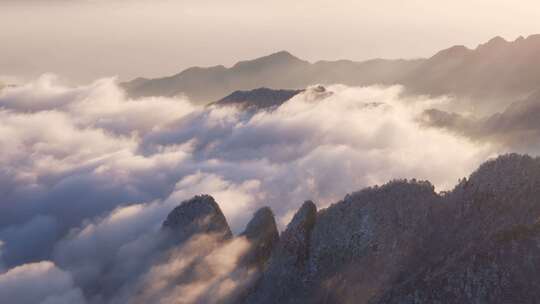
x: 85, y: 39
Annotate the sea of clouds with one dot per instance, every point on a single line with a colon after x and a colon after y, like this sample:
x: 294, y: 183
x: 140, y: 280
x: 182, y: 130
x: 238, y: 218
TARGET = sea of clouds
x: 88, y: 175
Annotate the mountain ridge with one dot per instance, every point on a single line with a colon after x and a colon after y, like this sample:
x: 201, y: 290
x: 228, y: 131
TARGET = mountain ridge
x: 494, y: 73
x: 280, y: 70
x: 404, y: 243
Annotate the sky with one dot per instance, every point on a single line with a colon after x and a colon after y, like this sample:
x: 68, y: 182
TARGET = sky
x: 88, y: 174
x: 82, y: 40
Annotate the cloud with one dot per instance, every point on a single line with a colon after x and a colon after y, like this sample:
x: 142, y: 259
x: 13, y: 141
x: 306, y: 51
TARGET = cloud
x: 323, y: 146
x: 89, y: 175
x: 109, y: 254
x: 40, y: 232
x: 68, y: 160
x: 203, y: 270
x: 515, y: 128
x: 42, y: 283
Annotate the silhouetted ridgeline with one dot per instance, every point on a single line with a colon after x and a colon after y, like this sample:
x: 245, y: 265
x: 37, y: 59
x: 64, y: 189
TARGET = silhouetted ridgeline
x: 493, y: 74
x: 402, y: 243
x: 276, y: 71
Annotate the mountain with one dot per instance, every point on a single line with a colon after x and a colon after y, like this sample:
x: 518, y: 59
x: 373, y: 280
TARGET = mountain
x: 404, y: 243
x: 201, y: 214
x: 492, y: 75
x: 263, y: 235
x: 257, y: 99
x: 276, y: 71
x: 516, y: 126
x: 285, y: 271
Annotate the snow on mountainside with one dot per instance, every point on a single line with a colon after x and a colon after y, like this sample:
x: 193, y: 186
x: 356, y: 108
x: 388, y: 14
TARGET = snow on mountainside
x: 404, y: 243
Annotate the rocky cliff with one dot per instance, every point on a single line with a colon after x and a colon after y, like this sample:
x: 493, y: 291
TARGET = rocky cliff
x: 404, y: 243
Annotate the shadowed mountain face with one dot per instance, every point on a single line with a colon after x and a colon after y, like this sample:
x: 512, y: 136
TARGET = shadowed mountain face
x: 201, y: 214
x: 263, y: 235
x: 404, y: 243
x: 257, y: 99
x: 494, y: 74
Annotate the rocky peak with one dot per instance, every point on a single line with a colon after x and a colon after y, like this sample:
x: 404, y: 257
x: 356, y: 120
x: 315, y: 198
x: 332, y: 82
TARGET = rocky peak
x: 281, y: 57
x: 295, y: 239
x: 286, y: 271
x: 452, y: 52
x: 293, y: 246
x: 263, y: 235
x: 502, y: 193
x: 503, y: 182
x: 261, y: 98
x: 262, y: 225
x: 494, y: 42
x: 200, y: 214
x: 507, y: 169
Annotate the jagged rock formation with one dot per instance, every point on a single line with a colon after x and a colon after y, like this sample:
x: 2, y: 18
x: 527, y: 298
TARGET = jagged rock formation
x: 263, y: 235
x: 200, y: 214
x: 257, y: 99
x: 404, y: 243
x: 287, y: 265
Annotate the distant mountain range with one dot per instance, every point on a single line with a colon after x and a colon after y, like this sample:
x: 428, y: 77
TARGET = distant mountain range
x: 277, y: 71
x: 493, y: 74
x: 397, y: 243
x: 516, y: 126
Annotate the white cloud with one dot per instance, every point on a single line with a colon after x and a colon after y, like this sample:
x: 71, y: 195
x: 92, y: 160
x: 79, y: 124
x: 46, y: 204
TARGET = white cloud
x: 41, y: 283
x: 109, y: 169
x: 112, y: 252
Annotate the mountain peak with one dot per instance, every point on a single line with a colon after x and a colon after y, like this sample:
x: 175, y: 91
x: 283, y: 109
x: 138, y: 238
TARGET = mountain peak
x: 261, y: 98
x: 494, y: 43
x: 284, y: 54
x: 200, y: 214
x: 451, y: 52
x: 279, y: 58
x: 263, y: 235
x: 497, y: 39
